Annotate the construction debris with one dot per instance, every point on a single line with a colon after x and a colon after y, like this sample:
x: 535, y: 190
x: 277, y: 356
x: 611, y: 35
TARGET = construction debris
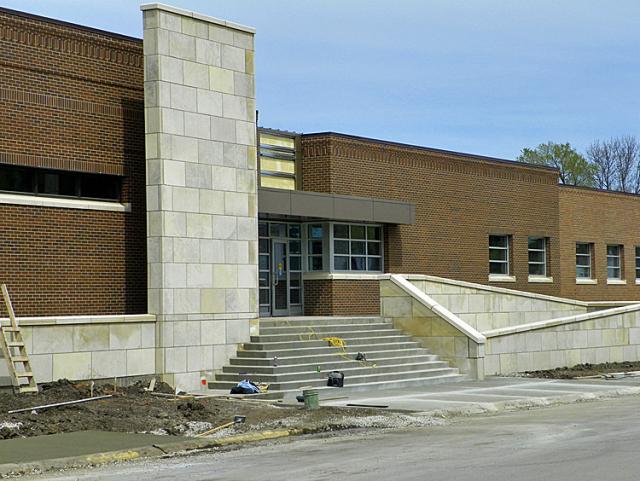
x: 236, y: 420
x: 55, y: 405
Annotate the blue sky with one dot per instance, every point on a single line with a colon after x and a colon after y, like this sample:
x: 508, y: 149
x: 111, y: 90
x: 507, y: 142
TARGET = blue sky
x: 481, y: 76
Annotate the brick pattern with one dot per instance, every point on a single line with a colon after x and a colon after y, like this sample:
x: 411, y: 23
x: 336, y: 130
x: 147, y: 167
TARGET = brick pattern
x: 600, y: 218
x: 460, y: 200
x: 341, y: 298
x: 72, y: 99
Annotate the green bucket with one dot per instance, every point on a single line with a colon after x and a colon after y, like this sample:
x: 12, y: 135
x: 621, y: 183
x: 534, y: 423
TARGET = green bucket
x: 310, y: 399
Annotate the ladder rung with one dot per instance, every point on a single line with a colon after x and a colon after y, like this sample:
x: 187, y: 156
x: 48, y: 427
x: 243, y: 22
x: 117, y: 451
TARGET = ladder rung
x: 28, y: 389
x: 10, y: 329
x: 20, y: 359
x: 15, y: 343
x: 24, y: 374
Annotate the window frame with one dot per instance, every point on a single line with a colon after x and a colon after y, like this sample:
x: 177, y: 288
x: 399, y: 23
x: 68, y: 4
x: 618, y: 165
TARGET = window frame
x: 350, y: 241
x: 620, y: 267
x: 637, y: 264
x: 589, y: 256
x: 545, y: 259
x: 507, y: 261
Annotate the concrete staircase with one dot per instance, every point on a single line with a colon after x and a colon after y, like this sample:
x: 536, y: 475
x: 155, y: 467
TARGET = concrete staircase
x: 304, y: 359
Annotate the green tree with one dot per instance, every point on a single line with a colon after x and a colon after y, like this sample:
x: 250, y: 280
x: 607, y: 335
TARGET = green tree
x: 574, y: 168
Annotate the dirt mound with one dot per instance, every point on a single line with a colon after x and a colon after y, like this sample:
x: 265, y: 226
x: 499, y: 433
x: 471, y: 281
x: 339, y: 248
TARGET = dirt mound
x: 586, y: 369
x: 132, y: 409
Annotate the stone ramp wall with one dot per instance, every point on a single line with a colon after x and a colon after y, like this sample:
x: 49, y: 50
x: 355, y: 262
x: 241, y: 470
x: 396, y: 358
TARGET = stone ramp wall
x: 610, y: 335
x: 487, y: 308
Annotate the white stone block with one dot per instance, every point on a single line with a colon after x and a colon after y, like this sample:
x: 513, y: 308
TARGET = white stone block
x: 224, y: 178
x: 52, y: 339
x: 196, y: 75
x: 236, y: 252
x: 199, y: 176
x: 207, y: 52
x: 199, y: 225
x: 247, y: 228
x: 199, y: 275
x: 186, y: 301
x: 72, y: 366
x: 42, y: 367
x: 219, y: 33
x: 214, y: 332
x: 246, y: 181
x: 211, y: 251
x: 224, y: 130
x: 183, y: 148
x: 195, y: 28
x: 236, y: 203
x: 244, y: 85
x: 234, y: 107
x: 186, y: 250
x: 210, y: 152
x: 175, y: 275
x: 90, y: 337
x: 245, y: 132
x: 171, y: 70
x: 175, y: 359
x: 224, y: 227
x: 237, y: 331
x: 221, y: 80
x: 182, y: 46
x: 186, y: 333
x: 549, y: 341
x: 173, y: 173
x: 183, y: 97
x: 235, y: 155
x: 186, y: 199
x: 169, y: 21
x: 109, y: 364
x: 141, y: 362
x: 232, y: 58
x: 209, y: 102
x: 125, y: 336
x: 211, y: 202
x: 248, y: 276
x: 212, y: 301
x: 175, y: 224
x: 148, y: 334
x: 225, y: 276
x: 197, y: 125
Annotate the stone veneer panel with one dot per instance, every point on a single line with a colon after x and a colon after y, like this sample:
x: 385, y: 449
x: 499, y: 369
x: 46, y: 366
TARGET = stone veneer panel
x: 200, y: 126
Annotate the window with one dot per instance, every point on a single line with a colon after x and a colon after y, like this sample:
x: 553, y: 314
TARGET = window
x: 614, y: 262
x: 315, y: 239
x: 277, y: 160
x: 583, y: 260
x: 538, y: 256
x: 55, y: 183
x: 357, y: 247
x: 637, y: 263
x: 499, y: 255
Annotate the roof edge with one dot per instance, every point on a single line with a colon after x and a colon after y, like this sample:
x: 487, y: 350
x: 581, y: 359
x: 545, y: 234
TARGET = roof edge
x: 514, y: 163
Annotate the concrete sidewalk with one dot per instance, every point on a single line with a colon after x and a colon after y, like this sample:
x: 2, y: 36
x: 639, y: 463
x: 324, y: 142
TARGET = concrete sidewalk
x: 491, y: 394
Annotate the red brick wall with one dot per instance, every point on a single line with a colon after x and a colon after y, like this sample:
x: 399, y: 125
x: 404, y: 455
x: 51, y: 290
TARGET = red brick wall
x: 341, y: 297
x: 459, y: 200
x: 600, y: 218
x: 71, y: 98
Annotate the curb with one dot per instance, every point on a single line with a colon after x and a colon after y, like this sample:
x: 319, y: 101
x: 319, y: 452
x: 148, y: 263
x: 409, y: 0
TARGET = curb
x: 96, y: 459
x: 182, y: 447
x: 531, y: 403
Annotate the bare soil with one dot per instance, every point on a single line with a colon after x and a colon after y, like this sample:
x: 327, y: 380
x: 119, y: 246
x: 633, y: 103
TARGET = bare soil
x: 132, y: 409
x: 581, y: 370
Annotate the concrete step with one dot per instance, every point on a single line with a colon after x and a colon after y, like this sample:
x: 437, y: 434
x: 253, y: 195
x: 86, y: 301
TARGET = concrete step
x: 352, y: 349
x: 317, y: 321
x: 368, y: 379
x: 317, y: 336
x: 325, y: 365
x: 348, y: 372
x: 331, y: 356
x: 325, y: 330
x: 372, y: 338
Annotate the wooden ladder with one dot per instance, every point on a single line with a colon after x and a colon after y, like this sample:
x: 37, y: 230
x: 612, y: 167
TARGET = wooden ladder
x: 14, y: 351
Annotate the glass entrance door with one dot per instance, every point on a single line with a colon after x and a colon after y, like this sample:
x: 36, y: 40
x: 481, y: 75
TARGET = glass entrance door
x: 280, y: 290
x: 280, y: 261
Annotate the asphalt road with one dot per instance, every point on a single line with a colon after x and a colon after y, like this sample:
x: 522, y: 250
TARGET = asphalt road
x: 585, y: 441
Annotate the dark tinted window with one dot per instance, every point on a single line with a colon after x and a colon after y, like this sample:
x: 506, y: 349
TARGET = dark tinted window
x: 16, y: 180
x: 100, y: 186
x: 57, y: 183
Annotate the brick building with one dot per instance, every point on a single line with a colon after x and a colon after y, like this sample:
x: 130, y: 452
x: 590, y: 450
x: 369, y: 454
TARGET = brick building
x: 126, y: 261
